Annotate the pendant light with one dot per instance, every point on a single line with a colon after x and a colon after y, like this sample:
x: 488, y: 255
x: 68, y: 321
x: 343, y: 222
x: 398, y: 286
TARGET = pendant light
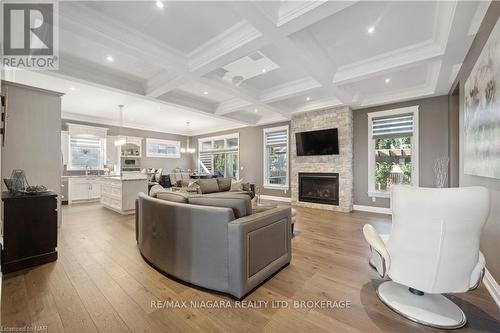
x: 120, y: 139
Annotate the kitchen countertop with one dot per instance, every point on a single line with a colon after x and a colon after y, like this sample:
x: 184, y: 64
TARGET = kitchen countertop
x: 82, y: 176
x: 116, y: 177
x: 127, y: 177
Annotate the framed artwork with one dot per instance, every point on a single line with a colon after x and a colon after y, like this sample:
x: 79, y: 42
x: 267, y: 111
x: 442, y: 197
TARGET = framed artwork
x: 482, y: 112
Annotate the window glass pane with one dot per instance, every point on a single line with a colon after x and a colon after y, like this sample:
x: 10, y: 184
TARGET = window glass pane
x: 82, y: 157
x: 219, y: 144
x: 277, y: 165
x: 232, y: 143
x: 219, y: 165
x: 86, y: 151
x: 162, y: 149
x: 392, y: 162
x: 206, y: 145
x: 232, y: 165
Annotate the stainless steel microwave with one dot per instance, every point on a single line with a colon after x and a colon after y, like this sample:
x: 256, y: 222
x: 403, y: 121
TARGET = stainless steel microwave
x: 131, y: 162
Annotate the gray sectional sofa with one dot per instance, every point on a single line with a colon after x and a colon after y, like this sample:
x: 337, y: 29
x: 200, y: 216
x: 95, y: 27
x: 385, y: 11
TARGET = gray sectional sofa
x: 214, y: 242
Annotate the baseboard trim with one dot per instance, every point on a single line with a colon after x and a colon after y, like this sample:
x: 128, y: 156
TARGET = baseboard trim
x: 274, y: 198
x: 492, y: 286
x: 372, y: 209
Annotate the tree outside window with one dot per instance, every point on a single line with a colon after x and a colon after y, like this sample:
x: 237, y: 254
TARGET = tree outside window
x: 392, y: 162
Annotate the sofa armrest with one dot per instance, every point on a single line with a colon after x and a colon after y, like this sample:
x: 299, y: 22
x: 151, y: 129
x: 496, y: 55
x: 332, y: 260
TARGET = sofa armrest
x: 379, y: 259
x: 259, y: 245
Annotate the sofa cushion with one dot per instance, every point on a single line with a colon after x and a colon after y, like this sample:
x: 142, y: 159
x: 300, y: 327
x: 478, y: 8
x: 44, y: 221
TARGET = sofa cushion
x: 208, y: 185
x: 224, y: 184
x: 155, y: 190
x: 236, y: 185
x: 240, y: 204
x: 172, y: 196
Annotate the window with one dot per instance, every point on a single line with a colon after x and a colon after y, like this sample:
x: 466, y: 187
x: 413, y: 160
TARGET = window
x: 219, y: 155
x: 392, y: 149
x: 86, y: 151
x: 87, y: 147
x: 163, y: 148
x: 276, y: 157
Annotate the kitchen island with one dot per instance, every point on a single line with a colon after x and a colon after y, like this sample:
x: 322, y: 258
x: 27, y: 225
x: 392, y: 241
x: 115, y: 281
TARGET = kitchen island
x: 118, y: 193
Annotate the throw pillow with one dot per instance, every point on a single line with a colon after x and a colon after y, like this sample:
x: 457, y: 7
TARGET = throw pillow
x: 193, y: 187
x: 153, y: 192
x: 208, y: 185
x: 236, y: 185
x: 224, y: 184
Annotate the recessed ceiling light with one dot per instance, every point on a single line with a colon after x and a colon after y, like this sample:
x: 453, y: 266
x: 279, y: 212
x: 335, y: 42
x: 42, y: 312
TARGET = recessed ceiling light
x: 205, y: 93
x: 256, y: 110
x: 308, y: 98
x: 160, y: 4
x: 264, y: 70
x: 387, y: 80
x: 110, y: 58
x: 72, y: 88
x: 371, y: 30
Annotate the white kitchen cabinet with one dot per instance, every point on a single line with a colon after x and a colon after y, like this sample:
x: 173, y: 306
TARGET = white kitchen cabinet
x: 83, y: 189
x: 95, y: 190
x: 119, y: 193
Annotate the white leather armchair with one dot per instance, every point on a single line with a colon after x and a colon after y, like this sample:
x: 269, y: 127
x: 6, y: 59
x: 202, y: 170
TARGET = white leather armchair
x: 433, y: 248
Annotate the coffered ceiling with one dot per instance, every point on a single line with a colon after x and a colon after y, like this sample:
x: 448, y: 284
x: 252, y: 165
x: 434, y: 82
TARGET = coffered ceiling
x: 249, y: 63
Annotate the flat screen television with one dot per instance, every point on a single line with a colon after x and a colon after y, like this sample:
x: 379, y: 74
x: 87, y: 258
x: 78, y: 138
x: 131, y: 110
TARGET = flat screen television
x: 322, y: 142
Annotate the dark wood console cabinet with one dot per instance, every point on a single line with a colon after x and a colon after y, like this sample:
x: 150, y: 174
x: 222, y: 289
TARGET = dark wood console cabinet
x: 29, y: 230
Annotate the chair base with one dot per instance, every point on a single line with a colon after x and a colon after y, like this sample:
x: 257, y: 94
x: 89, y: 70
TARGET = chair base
x: 432, y: 310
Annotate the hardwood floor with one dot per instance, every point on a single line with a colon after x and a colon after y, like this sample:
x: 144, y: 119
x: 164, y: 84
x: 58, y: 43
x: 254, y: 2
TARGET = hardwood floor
x: 100, y: 283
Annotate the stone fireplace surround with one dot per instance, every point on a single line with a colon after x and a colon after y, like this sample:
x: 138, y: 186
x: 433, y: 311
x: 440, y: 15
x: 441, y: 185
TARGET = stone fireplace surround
x: 342, y: 164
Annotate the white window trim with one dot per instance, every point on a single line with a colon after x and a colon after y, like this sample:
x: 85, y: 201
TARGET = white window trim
x: 177, y: 144
x: 266, y: 184
x: 215, y: 138
x: 371, y: 148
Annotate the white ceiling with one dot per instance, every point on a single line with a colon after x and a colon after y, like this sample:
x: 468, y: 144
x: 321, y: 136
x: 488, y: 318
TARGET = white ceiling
x: 168, y: 62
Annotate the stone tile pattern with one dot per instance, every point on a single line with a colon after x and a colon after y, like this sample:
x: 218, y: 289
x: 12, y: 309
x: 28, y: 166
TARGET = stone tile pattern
x: 342, y: 164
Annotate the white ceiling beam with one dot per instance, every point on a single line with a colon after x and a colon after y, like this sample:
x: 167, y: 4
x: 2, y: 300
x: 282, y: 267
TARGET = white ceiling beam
x: 310, y: 55
x: 385, y: 63
x: 231, y: 39
x: 297, y: 15
x: 232, y: 105
x: 81, y: 69
x: 426, y: 51
x: 242, y: 39
x: 182, y: 98
x: 202, y: 64
x: 289, y: 89
x: 242, y: 93
x: 319, y: 104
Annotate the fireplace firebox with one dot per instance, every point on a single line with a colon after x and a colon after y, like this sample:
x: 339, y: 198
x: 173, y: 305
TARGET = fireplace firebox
x: 319, y: 187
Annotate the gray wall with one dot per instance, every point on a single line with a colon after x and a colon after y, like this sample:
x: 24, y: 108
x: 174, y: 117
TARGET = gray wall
x: 433, y: 143
x: 167, y: 164
x: 251, y: 155
x: 33, y: 138
x: 490, y: 237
